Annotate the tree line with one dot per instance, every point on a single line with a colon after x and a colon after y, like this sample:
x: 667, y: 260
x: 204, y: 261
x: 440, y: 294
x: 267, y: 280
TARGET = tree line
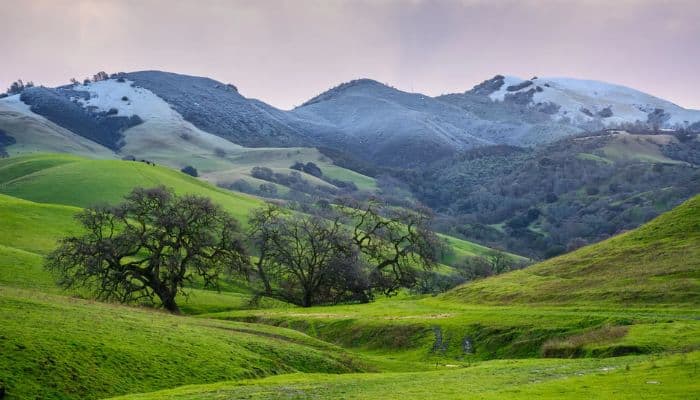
x: 155, y: 243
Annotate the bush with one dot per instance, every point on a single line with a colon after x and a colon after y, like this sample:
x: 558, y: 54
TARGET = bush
x: 219, y: 152
x: 124, y: 98
x: 190, y: 170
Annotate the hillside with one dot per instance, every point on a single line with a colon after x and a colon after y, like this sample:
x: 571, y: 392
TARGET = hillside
x: 553, y: 108
x: 31, y: 133
x: 105, y: 350
x: 656, y: 264
x: 159, y: 115
x: 546, y: 200
x: 81, y: 182
x: 84, y: 120
x: 386, y: 125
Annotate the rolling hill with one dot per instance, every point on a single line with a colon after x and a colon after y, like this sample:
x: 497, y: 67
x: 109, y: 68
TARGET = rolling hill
x: 81, y: 182
x: 224, y: 350
x: 656, y: 264
x: 615, y: 319
x: 104, y: 350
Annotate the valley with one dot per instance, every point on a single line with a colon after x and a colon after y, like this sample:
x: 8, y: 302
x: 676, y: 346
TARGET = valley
x: 553, y: 328
x: 524, y: 238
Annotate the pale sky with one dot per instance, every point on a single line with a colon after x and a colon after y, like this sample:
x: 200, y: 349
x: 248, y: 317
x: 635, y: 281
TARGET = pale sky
x: 284, y: 52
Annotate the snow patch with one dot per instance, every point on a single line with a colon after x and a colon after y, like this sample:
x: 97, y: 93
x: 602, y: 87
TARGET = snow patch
x: 108, y: 94
x: 583, y: 101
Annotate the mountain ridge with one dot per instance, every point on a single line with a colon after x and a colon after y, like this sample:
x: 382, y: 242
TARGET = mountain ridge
x: 363, y: 117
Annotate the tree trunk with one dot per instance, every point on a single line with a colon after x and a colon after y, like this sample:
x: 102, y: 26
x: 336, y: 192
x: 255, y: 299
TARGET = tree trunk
x: 263, y: 275
x: 169, y: 303
x: 306, y: 299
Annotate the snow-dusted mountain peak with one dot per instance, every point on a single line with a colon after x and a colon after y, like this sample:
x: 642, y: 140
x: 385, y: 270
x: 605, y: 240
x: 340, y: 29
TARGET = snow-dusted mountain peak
x: 581, y: 101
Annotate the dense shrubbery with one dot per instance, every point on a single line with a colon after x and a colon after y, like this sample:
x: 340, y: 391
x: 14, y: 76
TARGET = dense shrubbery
x: 190, y: 170
x: 539, y: 203
x: 5, y: 140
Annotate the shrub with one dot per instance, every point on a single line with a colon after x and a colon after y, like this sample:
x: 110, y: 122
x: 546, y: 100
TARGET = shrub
x: 190, y: 170
x: 219, y: 152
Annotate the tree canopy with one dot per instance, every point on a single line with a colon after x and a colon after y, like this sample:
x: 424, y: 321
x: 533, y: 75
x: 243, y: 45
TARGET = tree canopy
x: 149, y: 247
x: 340, y: 253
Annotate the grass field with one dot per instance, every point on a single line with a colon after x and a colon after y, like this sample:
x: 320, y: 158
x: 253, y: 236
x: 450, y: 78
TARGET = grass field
x: 618, y: 319
x: 54, y: 346
x: 658, y: 263
x: 80, y: 182
x: 673, y: 377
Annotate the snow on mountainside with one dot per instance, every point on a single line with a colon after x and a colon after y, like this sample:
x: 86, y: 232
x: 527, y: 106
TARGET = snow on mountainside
x: 581, y: 101
x: 387, y: 125
x: 218, y: 108
x: 163, y: 133
x: 161, y: 115
x: 31, y: 132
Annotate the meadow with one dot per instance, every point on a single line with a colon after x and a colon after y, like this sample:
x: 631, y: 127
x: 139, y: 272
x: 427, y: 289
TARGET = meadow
x: 618, y: 319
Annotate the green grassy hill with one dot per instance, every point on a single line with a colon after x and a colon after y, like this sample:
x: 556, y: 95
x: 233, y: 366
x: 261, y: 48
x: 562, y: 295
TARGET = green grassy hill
x: 620, y: 316
x: 81, y: 182
x: 658, y: 263
x: 58, y: 347
x: 623, y: 378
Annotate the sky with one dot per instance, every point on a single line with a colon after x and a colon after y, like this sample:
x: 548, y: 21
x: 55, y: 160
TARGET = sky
x: 286, y: 51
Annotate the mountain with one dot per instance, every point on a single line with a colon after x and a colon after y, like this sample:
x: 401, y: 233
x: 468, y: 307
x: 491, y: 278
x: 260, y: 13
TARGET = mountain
x: 158, y: 111
x: 116, y: 118
x: 219, y: 109
x: 552, y: 108
x: 386, y: 125
x: 657, y: 263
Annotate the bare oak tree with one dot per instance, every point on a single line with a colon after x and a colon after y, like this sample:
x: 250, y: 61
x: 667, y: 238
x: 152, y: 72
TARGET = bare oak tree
x: 151, y: 245
x: 305, y: 259
x: 397, y: 243
x: 340, y: 253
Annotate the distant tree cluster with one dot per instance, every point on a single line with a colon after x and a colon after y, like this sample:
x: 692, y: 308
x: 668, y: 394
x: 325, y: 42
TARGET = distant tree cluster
x: 295, y: 181
x: 18, y: 87
x: 310, y: 168
x: 545, y: 202
x: 190, y: 170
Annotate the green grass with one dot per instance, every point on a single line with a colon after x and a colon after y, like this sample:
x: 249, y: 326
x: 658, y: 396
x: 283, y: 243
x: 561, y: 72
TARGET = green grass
x: 623, y: 378
x: 461, y: 249
x: 622, y: 315
x: 83, y: 182
x: 406, y: 329
x: 54, y: 346
x: 639, y: 148
x: 363, y: 182
x: 658, y: 263
x: 593, y: 157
